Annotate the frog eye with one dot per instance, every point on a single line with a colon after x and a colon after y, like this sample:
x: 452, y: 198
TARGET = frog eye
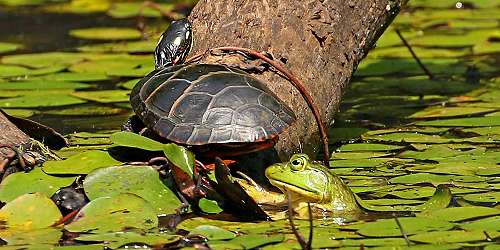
x: 297, y: 164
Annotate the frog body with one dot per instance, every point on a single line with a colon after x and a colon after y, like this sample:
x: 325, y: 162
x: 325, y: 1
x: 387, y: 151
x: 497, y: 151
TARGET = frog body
x: 310, y: 182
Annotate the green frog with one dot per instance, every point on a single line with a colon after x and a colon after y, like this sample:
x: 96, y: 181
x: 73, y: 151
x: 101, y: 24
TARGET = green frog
x: 307, y: 182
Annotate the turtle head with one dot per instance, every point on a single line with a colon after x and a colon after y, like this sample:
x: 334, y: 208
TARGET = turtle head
x: 174, y: 45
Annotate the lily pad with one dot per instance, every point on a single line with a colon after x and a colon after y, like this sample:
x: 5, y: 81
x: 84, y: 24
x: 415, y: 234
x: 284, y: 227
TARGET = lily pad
x: 41, y: 99
x: 128, y: 10
x: 17, y: 184
x: 434, y: 112
x: 106, y: 33
x: 117, y: 239
x: 31, y: 239
x: 489, y: 223
x: 82, y: 163
x: 368, y: 147
x: 103, y: 96
x: 463, y: 122
x: 213, y: 232
x: 130, y: 47
x: 209, y: 206
x: 455, y: 214
x: 30, y: 211
x: 180, y: 157
x: 133, y: 140
x: 142, y: 181
x: 112, y: 214
x: 74, y: 77
x: 8, y: 47
x: 490, y: 197
x: 448, y: 236
x: 43, y: 60
x: 251, y: 241
x: 41, y: 85
x: 434, y: 179
x: 410, y: 225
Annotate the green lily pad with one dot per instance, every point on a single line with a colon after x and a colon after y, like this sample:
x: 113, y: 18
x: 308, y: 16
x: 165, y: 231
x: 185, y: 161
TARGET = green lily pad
x: 463, y: 122
x: 368, y: 147
x: 133, y: 140
x: 434, y: 112
x: 486, y: 48
x: 142, y: 181
x: 130, y: 47
x: 130, y: 66
x: 128, y: 10
x: 251, y: 241
x: 103, y: 96
x: 31, y: 239
x: 129, y: 84
x: 180, y: 157
x: 410, y: 225
x: 17, y: 184
x: 209, y: 206
x: 43, y: 60
x: 42, y: 85
x: 359, y: 155
x: 484, y: 130
x: 30, y: 211
x: 434, y: 179
x: 82, y: 163
x: 8, y: 47
x: 24, y: 113
x: 40, y: 99
x: 112, y: 214
x: 403, y: 52
x: 455, y: 214
x: 407, y: 66
x: 448, y: 236
x: 117, y: 239
x: 489, y: 223
x: 87, y: 110
x: 74, y: 77
x: 106, y: 33
x: 213, y: 232
x: 489, y: 197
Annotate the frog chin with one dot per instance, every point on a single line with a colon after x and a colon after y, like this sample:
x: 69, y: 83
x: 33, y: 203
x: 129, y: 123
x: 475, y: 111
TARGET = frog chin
x: 298, y: 194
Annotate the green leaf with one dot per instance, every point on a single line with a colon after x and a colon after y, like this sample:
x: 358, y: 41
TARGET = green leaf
x: 42, y: 85
x: 213, y: 232
x: 112, y: 214
x: 130, y: 47
x: 30, y: 211
x: 368, y: 147
x: 82, y: 163
x: 117, y: 239
x: 31, y: 238
x: 103, y: 96
x: 434, y: 179
x: 133, y: 140
x: 489, y: 197
x: 251, y: 241
x: 43, y: 60
x: 464, y: 122
x: 143, y: 181
x: 106, y: 33
x: 410, y: 225
x: 73, y: 77
x: 8, y: 47
x: 490, y: 223
x: 35, y: 181
x: 128, y: 10
x: 434, y: 112
x: 40, y: 99
x: 180, y: 157
x: 448, y: 237
x: 209, y: 206
x: 455, y: 214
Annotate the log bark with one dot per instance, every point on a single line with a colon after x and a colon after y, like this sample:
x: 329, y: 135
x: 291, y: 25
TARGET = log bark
x: 321, y: 42
x: 10, y: 135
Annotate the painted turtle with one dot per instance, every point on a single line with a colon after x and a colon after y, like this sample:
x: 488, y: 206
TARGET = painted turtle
x: 200, y: 104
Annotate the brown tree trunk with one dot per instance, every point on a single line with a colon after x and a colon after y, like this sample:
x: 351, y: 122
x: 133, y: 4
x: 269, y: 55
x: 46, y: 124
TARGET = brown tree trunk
x: 10, y: 135
x: 321, y: 42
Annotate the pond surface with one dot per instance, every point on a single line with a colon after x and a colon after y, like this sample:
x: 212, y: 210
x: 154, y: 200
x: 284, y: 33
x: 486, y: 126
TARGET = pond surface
x: 398, y: 135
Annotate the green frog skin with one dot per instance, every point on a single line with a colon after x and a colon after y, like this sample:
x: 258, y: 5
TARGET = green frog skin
x: 310, y: 182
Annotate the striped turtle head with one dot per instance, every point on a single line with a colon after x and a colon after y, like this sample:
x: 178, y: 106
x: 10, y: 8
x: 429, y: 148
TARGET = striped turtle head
x: 174, y: 45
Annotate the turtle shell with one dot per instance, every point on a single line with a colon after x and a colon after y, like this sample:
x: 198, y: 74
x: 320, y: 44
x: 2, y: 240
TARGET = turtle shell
x: 201, y: 104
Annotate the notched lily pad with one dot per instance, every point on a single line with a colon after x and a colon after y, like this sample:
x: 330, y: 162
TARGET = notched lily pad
x: 103, y: 96
x: 142, y: 181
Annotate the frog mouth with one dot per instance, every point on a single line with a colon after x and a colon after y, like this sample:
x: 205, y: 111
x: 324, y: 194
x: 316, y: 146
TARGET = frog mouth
x: 285, y: 186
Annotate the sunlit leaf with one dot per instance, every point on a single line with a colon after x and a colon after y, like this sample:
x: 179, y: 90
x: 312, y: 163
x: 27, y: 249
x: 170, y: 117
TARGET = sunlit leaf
x: 133, y: 140
x: 213, y: 232
x: 82, y: 163
x: 489, y: 223
x: 74, y: 77
x: 411, y: 225
x: 368, y: 147
x: 112, y: 214
x: 41, y: 85
x: 42, y: 60
x: 41, y: 99
x: 106, y: 33
x: 117, y: 239
x: 449, y: 112
x: 103, y: 96
x: 254, y: 240
x: 209, y: 206
x: 490, y: 197
x: 455, y: 214
x: 35, y: 181
x: 180, y: 156
x: 130, y: 47
x: 143, y: 181
x: 30, y: 211
x: 8, y: 47
x: 449, y: 236
x: 464, y: 122
x: 31, y: 239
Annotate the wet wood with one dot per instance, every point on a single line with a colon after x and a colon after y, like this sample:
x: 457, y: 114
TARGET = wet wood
x: 321, y: 42
x: 10, y: 135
